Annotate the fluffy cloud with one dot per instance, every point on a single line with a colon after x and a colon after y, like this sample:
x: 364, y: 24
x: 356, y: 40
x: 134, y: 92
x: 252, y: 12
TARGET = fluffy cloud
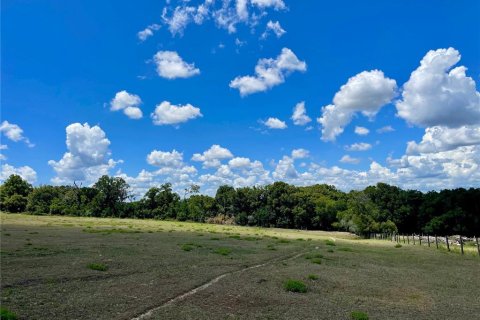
x: 25, y: 172
x: 172, y: 159
x: 362, y: 146
x: 277, y: 4
x: 170, y: 65
x: 87, y: 157
x: 147, y: 32
x: 274, y: 27
x: 127, y: 102
x: 14, y: 133
x: 239, y: 162
x: 439, y: 138
x: 269, y: 73
x: 437, y: 95
x: 350, y: 160
x: 299, y: 116
x: 361, y: 131
x: 300, y: 153
x: 168, y: 114
x: 275, y: 123
x: 366, y: 92
x: 212, y: 156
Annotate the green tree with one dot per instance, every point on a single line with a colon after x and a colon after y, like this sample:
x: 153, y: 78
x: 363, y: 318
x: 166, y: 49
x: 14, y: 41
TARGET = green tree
x: 112, y: 193
x: 13, y: 194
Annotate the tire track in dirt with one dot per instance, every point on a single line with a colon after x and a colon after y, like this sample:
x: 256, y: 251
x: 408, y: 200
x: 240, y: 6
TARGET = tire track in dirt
x: 149, y: 313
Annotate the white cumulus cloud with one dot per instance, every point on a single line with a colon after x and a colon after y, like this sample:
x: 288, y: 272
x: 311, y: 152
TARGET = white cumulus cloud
x: 170, y: 65
x: 299, y: 116
x: 439, y: 138
x: 275, y: 123
x: 172, y: 159
x: 87, y: 157
x: 127, y: 102
x: 361, y: 131
x: 14, y: 133
x: 365, y: 92
x: 438, y: 94
x: 25, y: 172
x: 300, y: 153
x: 168, y: 114
x: 269, y: 73
x: 212, y: 156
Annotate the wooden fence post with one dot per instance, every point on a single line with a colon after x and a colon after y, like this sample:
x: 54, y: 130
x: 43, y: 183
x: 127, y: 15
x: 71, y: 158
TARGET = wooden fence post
x: 436, y: 241
x: 461, y: 244
x: 448, y: 246
x: 428, y: 239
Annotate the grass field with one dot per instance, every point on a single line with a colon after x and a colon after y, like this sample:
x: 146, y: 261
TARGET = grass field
x: 87, y: 268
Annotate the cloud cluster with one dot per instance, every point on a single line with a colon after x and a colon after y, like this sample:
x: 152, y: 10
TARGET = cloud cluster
x: 171, y: 66
x: 127, y: 102
x: 14, y: 133
x: 173, y: 159
x: 25, y: 172
x: 213, y: 156
x: 168, y: 114
x: 365, y: 92
x: 226, y: 14
x: 87, y: 157
x: 269, y: 73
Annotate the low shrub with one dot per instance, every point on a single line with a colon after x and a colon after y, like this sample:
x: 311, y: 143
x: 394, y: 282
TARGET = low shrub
x: 398, y: 245
x: 295, y: 286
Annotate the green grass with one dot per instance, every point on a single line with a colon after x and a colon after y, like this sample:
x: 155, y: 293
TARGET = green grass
x: 330, y: 242
x: 223, y: 251
x: 295, y: 286
x: 312, y: 277
x: 97, y: 266
x: 5, y: 314
x: 358, y: 315
x: 384, y: 282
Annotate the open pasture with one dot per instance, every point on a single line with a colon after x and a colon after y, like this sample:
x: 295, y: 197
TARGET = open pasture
x: 89, y: 268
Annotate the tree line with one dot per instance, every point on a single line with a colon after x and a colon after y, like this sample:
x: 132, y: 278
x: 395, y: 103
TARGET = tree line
x: 380, y: 208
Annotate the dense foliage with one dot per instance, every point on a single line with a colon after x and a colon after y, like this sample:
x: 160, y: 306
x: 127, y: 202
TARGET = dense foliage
x: 380, y: 208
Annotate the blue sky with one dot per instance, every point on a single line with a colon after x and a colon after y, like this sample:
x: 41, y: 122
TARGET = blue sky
x: 63, y: 63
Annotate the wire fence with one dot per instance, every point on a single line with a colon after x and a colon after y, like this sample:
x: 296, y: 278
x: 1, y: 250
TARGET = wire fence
x: 455, y: 243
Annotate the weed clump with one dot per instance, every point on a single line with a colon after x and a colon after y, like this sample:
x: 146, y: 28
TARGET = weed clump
x: 316, y: 260
x: 345, y: 249
x: 189, y: 246
x: 312, y: 277
x: 358, y: 315
x: 223, y: 251
x: 271, y: 247
x: 295, y: 286
x: 313, y: 256
x: 330, y: 250
x: 330, y: 242
x: 97, y: 266
x: 398, y: 245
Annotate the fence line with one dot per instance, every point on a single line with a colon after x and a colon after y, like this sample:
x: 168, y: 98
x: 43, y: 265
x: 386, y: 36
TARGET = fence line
x: 458, y: 240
